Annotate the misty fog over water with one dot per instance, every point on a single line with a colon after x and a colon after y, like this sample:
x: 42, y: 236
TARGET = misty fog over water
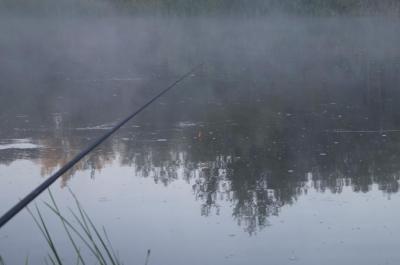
x: 283, y: 148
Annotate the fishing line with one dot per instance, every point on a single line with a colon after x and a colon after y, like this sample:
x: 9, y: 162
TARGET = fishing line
x: 33, y: 194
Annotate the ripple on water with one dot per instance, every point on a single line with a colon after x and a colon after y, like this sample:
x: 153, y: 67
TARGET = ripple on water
x: 18, y: 144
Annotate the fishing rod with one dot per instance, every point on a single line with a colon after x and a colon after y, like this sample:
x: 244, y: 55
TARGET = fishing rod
x: 33, y: 194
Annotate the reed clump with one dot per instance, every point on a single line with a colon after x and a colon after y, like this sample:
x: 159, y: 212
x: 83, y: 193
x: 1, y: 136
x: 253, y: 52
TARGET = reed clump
x: 80, y: 231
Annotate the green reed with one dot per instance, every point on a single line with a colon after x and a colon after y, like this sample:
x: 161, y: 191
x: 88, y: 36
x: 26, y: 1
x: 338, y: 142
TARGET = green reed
x: 80, y: 231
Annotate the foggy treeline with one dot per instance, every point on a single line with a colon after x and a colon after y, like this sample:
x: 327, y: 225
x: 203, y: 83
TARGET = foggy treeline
x: 203, y: 7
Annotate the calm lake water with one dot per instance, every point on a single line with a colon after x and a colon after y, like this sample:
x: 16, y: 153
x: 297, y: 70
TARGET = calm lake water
x: 282, y: 149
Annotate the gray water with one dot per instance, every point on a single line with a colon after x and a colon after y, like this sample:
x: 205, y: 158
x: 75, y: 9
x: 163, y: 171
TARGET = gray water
x: 282, y: 149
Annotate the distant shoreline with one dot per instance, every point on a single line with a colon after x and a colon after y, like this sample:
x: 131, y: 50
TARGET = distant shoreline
x: 177, y: 8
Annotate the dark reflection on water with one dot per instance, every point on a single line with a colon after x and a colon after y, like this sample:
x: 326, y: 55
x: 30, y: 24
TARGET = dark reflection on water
x: 256, y: 147
x: 257, y: 124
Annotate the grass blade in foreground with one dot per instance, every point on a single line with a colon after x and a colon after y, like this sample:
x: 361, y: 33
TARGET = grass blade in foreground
x: 80, y: 259
x: 82, y: 233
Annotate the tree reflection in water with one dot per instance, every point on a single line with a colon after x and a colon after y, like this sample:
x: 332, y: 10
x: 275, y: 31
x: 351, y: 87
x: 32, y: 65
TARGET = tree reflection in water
x: 257, y: 164
x: 246, y: 130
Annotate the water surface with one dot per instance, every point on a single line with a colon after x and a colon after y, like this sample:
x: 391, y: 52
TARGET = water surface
x: 283, y: 148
